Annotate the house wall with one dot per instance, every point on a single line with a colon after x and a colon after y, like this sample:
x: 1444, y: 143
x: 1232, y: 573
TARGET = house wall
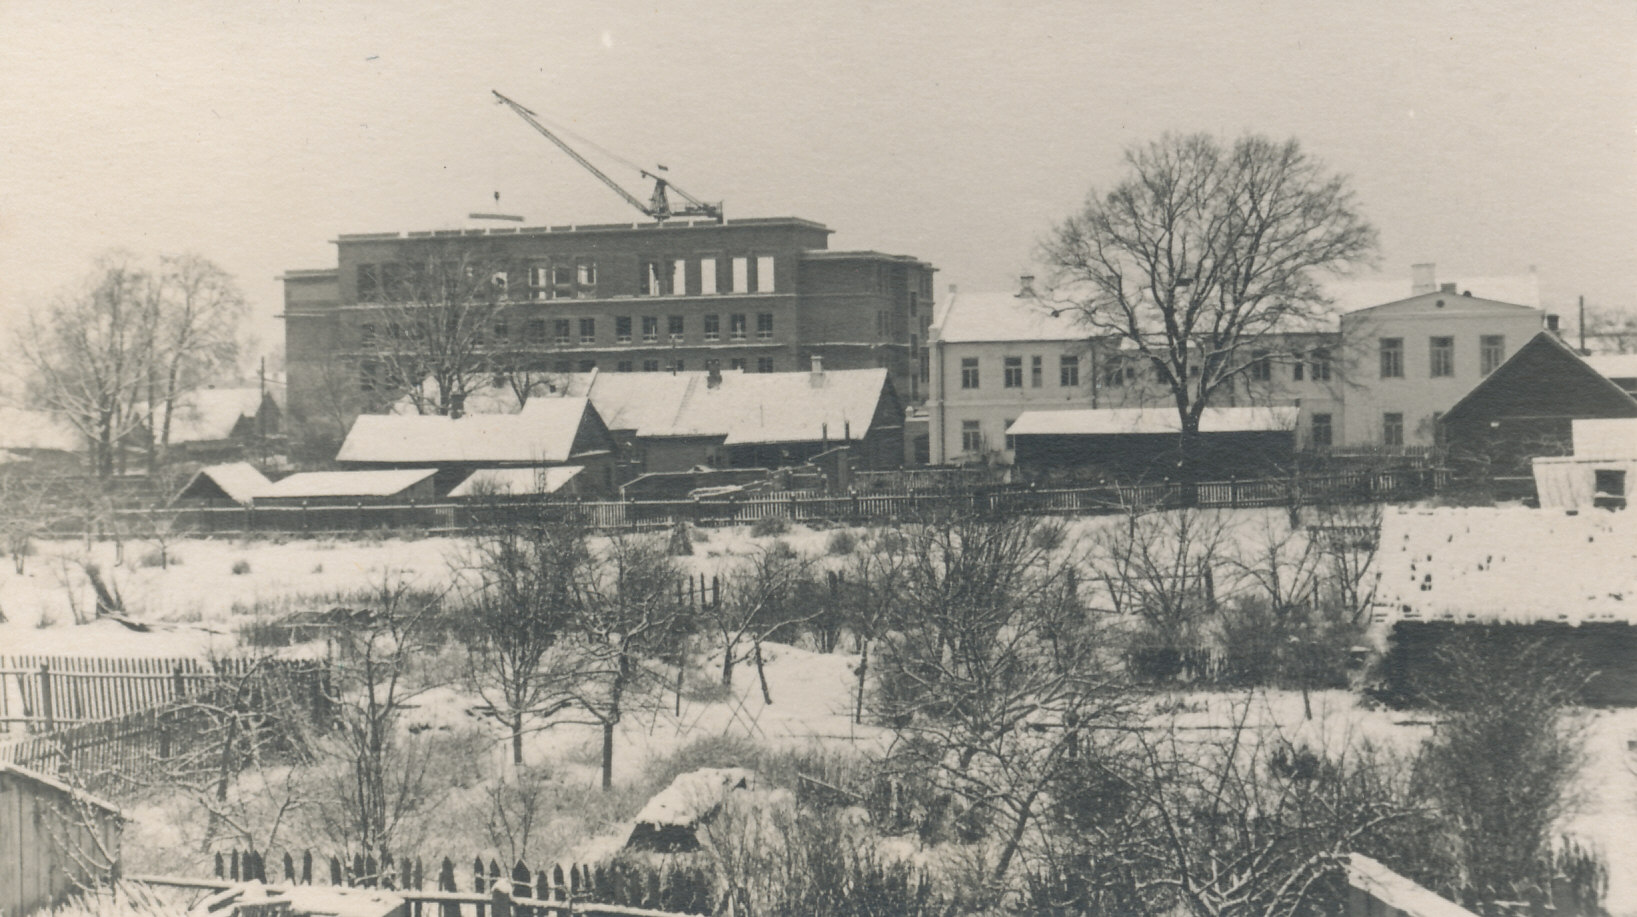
x: 1571, y: 483
x: 1355, y: 397
x: 1154, y: 456
x: 47, y: 843
x: 1418, y: 396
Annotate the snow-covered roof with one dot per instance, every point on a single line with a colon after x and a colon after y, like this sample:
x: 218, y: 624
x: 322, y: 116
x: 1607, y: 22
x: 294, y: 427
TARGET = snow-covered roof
x: 694, y: 795
x: 1614, y: 365
x: 543, y: 431
x: 1355, y: 293
x: 25, y: 429
x: 1605, y: 437
x: 239, y: 480
x: 1395, y: 891
x: 974, y: 317
x: 34, y: 776
x: 1156, y: 420
x: 501, y: 481
x: 383, y: 483
x: 743, y: 408
x: 212, y: 413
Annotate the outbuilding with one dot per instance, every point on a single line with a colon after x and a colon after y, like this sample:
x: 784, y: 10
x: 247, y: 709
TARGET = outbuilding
x: 1144, y: 443
x: 1526, y: 409
x: 53, y: 839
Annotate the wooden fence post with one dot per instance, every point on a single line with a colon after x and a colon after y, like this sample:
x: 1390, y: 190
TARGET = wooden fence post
x: 46, y: 707
x: 500, y: 899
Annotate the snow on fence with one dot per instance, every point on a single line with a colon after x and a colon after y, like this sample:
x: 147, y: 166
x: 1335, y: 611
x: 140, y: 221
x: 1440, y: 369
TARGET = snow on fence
x: 105, y: 720
x: 798, y: 506
x: 614, y: 889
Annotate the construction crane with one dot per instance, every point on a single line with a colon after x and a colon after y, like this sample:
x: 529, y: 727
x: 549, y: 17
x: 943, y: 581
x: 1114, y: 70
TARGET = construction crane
x: 659, y: 204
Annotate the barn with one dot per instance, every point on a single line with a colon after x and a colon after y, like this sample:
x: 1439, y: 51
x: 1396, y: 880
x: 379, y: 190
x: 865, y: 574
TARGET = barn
x: 1526, y: 409
x: 53, y: 838
x: 1143, y: 443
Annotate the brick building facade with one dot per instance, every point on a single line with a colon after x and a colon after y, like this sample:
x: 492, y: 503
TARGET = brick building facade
x: 762, y: 295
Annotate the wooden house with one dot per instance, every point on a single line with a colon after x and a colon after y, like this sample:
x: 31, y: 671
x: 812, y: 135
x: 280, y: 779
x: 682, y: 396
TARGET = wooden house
x: 53, y: 839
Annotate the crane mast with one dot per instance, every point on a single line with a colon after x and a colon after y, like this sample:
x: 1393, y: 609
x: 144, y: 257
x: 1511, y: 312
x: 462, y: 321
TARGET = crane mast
x: 658, y: 206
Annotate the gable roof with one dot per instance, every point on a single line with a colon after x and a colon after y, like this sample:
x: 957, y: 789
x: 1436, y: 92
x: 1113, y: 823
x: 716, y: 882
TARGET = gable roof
x: 545, y: 430
x: 1151, y: 421
x: 239, y: 480
x: 974, y: 317
x: 502, y: 481
x: 1354, y: 294
x: 384, y: 483
x: 1544, y: 345
x: 744, y: 408
x: 212, y: 413
x: 1453, y: 303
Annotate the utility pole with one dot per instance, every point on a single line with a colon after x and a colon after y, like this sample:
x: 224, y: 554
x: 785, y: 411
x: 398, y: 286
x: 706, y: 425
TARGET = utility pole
x: 1582, y: 322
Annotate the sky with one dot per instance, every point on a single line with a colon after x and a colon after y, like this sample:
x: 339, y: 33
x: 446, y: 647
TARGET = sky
x: 1488, y: 138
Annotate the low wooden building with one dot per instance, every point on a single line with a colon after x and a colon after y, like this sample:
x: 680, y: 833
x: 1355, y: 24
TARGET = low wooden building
x: 1526, y: 408
x: 350, y: 488
x: 53, y: 839
x: 1145, y: 443
x: 547, y: 432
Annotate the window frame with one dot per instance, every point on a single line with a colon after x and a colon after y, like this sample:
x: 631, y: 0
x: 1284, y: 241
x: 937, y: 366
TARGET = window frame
x: 1392, y: 358
x: 971, y: 377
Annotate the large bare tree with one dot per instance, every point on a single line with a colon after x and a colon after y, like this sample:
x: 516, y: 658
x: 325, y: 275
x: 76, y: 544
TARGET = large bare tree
x: 434, y: 336
x: 117, y: 355
x: 1201, y: 249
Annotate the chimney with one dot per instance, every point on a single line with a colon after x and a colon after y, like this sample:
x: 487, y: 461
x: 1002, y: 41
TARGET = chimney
x: 1551, y: 323
x: 713, y: 375
x: 816, y: 377
x: 1025, y: 284
x: 1423, y: 278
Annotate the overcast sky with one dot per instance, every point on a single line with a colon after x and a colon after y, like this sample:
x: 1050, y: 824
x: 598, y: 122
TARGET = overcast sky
x: 1488, y: 138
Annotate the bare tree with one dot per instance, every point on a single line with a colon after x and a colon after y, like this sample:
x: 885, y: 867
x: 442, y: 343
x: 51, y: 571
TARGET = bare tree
x: 761, y: 595
x: 994, y: 671
x: 1242, y: 821
x: 381, y: 652
x: 89, y: 353
x: 433, y: 336
x: 1202, y: 249
x: 628, y: 604
x: 1610, y: 330
x: 1160, y: 566
x: 524, y: 607
x: 1502, y: 760
x: 871, y: 583
x: 197, y: 316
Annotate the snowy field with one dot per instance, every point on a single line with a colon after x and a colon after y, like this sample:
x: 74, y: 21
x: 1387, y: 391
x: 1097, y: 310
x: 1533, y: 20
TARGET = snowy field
x: 1487, y: 563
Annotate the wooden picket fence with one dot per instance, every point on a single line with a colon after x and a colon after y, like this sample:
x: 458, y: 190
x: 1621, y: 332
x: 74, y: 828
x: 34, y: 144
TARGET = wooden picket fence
x: 799, y: 506
x: 613, y: 888
x: 156, y: 712
x: 44, y: 693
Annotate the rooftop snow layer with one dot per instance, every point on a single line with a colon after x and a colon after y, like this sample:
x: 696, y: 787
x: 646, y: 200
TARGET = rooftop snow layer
x: 543, y: 431
x: 503, y: 481
x: 383, y: 483
x: 1151, y: 421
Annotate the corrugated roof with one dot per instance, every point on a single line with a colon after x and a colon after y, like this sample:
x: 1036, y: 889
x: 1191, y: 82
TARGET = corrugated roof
x: 239, y: 480
x: 502, y: 481
x: 384, y: 483
x: 543, y: 431
x: 1132, y: 421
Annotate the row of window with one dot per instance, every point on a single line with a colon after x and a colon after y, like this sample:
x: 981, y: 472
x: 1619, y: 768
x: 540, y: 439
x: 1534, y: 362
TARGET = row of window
x: 1322, y: 433
x: 573, y: 278
x: 706, y: 276
x: 370, y: 376
x: 561, y: 331
x: 1068, y: 372
x: 1441, y: 356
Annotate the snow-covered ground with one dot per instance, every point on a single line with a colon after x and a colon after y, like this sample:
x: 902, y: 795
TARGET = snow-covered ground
x: 1507, y: 562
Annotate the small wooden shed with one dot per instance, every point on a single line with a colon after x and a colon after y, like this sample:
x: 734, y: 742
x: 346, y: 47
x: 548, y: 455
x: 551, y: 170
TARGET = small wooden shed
x: 53, y: 839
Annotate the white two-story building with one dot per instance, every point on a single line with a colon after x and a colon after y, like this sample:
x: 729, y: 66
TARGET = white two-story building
x: 1377, y: 378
